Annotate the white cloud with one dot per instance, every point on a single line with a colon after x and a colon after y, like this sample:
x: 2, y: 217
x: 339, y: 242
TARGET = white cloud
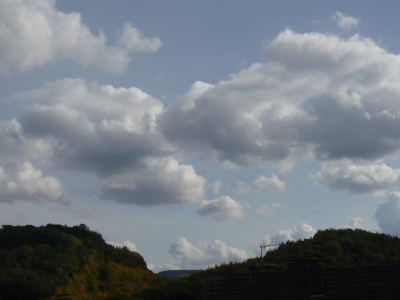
x: 222, y: 208
x: 160, y: 181
x: 344, y: 21
x: 16, y: 146
x: 355, y: 223
x: 261, y: 183
x: 134, y: 41
x: 269, y: 183
x: 319, y: 97
x: 239, y: 187
x: 304, y: 231
x: 216, y: 186
x: 94, y: 128
x: 388, y: 214
x: 34, y: 33
x: 111, y: 132
x: 268, y: 210
x: 359, y: 179
x: 28, y: 184
x: 128, y: 244
x: 166, y: 266
x: 186, y: 255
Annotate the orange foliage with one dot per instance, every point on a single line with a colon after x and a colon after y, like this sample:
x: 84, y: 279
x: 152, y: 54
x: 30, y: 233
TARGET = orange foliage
x: 108, y: 279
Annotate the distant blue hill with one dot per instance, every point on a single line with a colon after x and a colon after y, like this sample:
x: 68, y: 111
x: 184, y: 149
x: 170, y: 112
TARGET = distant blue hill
x: 175, y: 274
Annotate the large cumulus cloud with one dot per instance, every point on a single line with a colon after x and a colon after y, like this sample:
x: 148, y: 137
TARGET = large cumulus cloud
x: 34, y: 33
x: 95, y: 128
x: 319, y: 97
x: 359, y: 179
x: 111, y: 132
x: 158, y: 181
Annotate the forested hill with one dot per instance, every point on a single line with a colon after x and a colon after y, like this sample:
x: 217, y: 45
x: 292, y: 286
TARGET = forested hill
x: 39, y: 262
x: 66, y: 238
x: 332, y: 247
x: 341, y: 248
x: 48, y: 261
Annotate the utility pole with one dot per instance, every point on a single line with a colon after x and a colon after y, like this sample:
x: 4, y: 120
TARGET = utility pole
x: 263, y: 245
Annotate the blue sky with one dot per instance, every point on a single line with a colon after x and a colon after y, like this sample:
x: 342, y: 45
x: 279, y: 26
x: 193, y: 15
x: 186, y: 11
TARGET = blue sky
x: 193, y: 131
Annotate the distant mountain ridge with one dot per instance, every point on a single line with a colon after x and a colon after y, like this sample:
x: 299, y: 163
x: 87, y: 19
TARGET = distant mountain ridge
x: 173, y: 274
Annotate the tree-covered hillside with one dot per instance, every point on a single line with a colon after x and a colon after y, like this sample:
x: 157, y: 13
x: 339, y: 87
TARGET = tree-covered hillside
x: 341, y: 248
x: 43, y: 262
x: 332, y: 247
x: 39, y: 262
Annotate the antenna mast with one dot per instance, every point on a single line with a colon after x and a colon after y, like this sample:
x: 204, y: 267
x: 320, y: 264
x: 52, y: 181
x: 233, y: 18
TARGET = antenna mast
x: 264, y: 245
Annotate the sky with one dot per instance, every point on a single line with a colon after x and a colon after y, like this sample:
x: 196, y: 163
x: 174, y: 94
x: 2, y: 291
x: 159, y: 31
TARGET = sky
x: 193, y: 131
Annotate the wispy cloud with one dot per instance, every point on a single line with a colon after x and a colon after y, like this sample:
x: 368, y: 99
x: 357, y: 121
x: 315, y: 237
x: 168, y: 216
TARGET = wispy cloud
x: 304, y: 231
x: 345, y: 21
x: 268, y: 210
x: 388, y: 214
